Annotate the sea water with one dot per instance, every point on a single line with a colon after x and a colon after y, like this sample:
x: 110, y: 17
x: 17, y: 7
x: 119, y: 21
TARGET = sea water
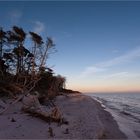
x: 125, y: 108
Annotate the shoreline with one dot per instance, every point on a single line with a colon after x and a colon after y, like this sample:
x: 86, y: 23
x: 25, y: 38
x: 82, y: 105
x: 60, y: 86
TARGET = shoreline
x: 87, y: 120
x: 125, y: 124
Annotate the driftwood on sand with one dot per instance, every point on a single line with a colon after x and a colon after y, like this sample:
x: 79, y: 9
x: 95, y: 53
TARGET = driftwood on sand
x: 32, y: 106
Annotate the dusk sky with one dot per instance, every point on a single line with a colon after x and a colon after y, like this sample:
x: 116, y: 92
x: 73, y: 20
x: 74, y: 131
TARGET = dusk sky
x: 98, y: 43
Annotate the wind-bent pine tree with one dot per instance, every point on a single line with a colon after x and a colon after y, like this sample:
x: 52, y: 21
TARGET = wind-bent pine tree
x: 38, y: 41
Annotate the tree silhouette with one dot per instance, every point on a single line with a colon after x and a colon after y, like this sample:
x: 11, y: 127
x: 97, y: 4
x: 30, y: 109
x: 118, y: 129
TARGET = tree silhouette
x: 2, y: 62
x: 26, y: 66
x: 2, y: 41
x: 49, y: 45
x: 16, y: 37
x: 38, y: 41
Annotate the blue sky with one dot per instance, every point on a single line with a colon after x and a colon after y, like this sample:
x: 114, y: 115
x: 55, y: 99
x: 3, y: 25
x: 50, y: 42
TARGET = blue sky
x: 98, y: 43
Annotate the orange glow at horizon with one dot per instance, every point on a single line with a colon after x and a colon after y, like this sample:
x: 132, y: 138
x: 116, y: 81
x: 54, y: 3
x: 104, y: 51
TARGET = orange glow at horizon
x: 117, y: 84
x: 105, y: 88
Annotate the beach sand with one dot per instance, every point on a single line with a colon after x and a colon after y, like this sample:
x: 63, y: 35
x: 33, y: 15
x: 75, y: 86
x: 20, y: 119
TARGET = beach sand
x: 87, y: 120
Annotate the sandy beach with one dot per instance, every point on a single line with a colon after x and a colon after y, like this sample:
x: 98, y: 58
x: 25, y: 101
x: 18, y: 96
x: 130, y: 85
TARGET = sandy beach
x: 86, y: 120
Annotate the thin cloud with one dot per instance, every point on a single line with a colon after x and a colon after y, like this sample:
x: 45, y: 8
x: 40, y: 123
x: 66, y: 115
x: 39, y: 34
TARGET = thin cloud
x: 66, y: 34
x: 39, y: 27
x: 103, y: 66
x: 117, y: 75
x: 127, y: 57
x: 115, y: 51
x: 15, y: 16
x: 121, y: 75
x: 90, y: 71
